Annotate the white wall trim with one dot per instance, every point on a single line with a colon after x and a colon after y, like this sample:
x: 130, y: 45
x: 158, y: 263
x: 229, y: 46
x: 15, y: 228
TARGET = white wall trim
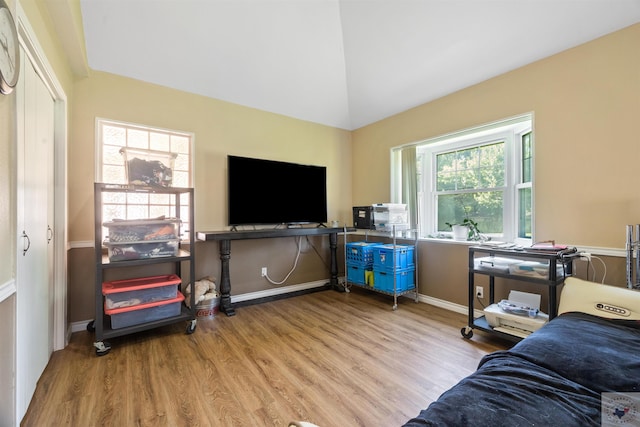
x: 462, y: 309
x: 594, y: 250
x: 278, y: 291
x: 80, y: 326
x: 447, y: 305
x: 7, y: 289
x: 81, y: 244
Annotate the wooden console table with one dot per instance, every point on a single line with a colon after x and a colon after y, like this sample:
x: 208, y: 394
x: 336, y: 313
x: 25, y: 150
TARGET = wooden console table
x: 225, y: 238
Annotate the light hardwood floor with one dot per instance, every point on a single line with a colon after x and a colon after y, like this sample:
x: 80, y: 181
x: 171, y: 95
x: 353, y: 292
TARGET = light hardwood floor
x: 331, y: 358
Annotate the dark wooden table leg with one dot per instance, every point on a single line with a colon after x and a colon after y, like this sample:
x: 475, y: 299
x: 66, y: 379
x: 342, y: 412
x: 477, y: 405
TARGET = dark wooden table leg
x: 225, y: 282
x: 333, y: 266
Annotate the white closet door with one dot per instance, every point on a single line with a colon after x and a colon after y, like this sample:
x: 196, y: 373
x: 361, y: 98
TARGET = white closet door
x: 34, y: 326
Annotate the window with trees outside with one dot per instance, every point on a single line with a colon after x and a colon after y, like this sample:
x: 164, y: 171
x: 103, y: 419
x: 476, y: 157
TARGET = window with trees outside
x: 484, y: 175
x: 111, y: 137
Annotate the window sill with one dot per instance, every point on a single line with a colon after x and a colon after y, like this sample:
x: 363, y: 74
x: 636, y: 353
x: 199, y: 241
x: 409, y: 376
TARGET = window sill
x: 451, y: 241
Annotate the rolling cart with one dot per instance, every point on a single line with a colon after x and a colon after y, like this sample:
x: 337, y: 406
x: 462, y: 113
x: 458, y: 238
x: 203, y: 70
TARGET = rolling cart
x: 138, y: 304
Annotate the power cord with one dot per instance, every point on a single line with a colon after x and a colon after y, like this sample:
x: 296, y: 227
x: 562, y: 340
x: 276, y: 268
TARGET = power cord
x: 604, y: 266
x: 586, y: 256
x: 295, y: 264
x: 481, y: 302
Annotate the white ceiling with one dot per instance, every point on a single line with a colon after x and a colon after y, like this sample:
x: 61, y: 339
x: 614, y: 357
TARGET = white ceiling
x: 342, y: 63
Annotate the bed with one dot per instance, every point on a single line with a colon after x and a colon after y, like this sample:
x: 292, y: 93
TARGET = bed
x: 580, y: 369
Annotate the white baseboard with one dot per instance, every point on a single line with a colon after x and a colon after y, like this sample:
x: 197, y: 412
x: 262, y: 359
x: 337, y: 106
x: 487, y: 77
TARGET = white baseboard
x: 447, y: 305
x: 7, y: 289
x: 278, y: 291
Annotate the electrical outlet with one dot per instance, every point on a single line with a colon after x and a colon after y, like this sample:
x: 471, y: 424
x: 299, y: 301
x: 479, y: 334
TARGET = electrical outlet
x: 480, y: 292
x: 264, y: 271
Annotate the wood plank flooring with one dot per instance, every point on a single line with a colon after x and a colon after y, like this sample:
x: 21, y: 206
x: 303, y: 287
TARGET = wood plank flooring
x: 331, y: 358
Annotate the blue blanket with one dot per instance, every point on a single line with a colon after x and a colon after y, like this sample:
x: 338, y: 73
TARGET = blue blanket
x: 554, y: 377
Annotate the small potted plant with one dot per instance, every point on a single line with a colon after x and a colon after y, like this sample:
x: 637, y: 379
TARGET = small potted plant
x: 466, y: 230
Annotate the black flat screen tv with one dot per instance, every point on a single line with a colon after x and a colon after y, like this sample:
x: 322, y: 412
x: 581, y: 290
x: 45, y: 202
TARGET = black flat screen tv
x: 262, y: 192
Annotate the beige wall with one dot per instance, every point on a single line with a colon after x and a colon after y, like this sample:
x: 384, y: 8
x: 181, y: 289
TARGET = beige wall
x: 586, y: 104
x: 220, y: 128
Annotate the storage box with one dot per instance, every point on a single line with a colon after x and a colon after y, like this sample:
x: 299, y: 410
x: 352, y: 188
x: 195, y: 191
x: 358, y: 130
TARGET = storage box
x: 359, y: 274
x: 390, y: 216
x: 144, y: 313
x: 128, y: 251
x: 535, y: 269
x: 360, y: 253
x: 148, y: 167
x: 387, y: 214
x: 494, y: 263
x: 363, y: 217
x: 382, y: 226
x: 405, y: 279
x: 143, y: 230
x: 143, y: 290
x: 384, y: 255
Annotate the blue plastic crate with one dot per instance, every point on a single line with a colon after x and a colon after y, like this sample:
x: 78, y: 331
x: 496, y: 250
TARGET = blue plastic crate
x: 360, y: 253
x: 383, y: 257
x: 359, y: 274
x: 405, y: 279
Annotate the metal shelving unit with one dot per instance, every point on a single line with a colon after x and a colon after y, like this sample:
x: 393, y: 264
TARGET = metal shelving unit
x: 101, y: 325
x: 393, y: 234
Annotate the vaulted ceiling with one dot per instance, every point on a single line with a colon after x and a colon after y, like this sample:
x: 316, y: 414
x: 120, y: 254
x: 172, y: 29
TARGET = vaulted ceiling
x: 342, y: 63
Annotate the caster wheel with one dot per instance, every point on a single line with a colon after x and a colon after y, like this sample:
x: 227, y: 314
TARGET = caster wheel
x: 191, y: 327
x: 466, y: 332
x: 102, y: 348
x: 91, y: 326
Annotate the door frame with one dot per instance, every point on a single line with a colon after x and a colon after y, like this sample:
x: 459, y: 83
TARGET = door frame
x: 35, y: 54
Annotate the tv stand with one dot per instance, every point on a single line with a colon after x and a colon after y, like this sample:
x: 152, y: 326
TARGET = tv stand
x: 225, y: 237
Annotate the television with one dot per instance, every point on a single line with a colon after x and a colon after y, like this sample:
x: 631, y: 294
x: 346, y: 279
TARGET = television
x: 263, y: 192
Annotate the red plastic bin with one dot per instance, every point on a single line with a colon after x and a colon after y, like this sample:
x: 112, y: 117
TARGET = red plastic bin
x: 142, y: 290
x: 143, y: 313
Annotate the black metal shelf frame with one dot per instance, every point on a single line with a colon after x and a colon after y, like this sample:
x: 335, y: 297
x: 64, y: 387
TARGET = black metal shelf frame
x: 101, y: 325
x: 552, y: 281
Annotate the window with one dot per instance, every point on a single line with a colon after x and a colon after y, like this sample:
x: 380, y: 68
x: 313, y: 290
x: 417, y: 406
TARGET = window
x: 111, y: 137
x: 484, y: 174
x: 525, y: 196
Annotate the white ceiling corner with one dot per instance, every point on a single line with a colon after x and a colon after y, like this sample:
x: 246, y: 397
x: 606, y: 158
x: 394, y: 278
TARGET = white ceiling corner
x: 342, y: 63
